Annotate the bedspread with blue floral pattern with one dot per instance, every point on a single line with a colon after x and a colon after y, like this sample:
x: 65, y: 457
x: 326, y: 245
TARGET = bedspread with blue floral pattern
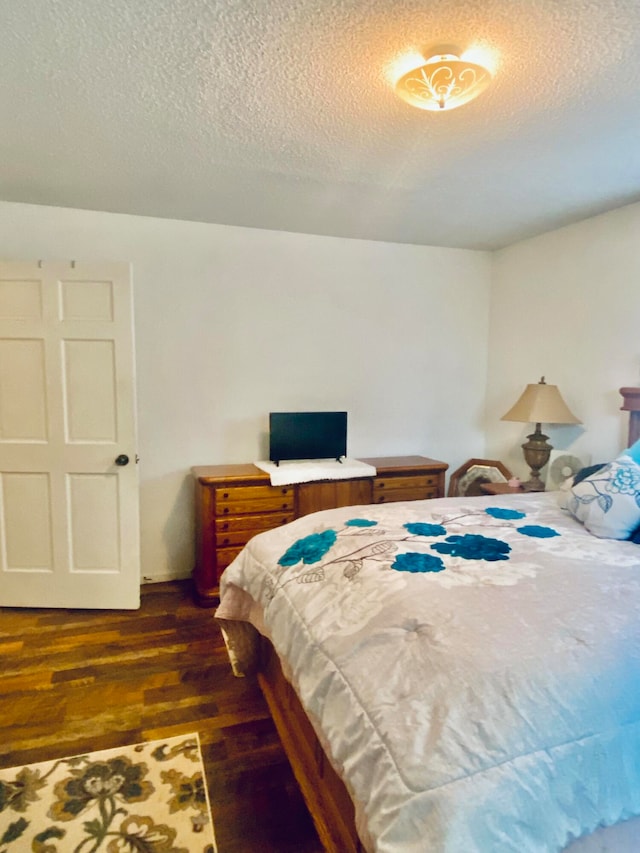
x: 472, y: 664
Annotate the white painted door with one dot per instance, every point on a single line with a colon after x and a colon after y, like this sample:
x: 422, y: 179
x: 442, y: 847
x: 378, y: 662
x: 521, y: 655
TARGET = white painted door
x: 69, y: 520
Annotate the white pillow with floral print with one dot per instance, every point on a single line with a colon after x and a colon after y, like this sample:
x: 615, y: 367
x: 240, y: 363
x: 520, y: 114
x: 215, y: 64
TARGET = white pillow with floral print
x: 608, y: 502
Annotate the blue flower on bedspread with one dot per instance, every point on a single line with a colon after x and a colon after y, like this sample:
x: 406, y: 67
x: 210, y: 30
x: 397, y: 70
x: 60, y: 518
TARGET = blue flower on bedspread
x: 538, y: 531
x: 411, y: 561
x: 309, y: 549
x: 501, y: 512
x: 473, y: 546
x: 421, y: 528
x: 360, y: 522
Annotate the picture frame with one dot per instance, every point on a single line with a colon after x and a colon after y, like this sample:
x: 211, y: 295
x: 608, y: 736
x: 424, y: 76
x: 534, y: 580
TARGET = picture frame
x: 468, y: 479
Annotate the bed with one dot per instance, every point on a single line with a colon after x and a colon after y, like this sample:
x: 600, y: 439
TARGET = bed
x: 459, y: 675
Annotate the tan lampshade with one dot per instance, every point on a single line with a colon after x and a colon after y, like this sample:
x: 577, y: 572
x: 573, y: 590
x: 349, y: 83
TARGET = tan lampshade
x: 541, y: 403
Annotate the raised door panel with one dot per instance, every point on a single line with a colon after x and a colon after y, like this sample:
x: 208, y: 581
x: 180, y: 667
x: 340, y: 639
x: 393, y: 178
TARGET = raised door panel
x: 26, y: 522
x: 91, y: 496
x: 90, y: 404
x: 23, y: 396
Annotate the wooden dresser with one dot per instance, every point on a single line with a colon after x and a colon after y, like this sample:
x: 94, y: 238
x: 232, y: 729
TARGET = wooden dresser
x: 234, y: 502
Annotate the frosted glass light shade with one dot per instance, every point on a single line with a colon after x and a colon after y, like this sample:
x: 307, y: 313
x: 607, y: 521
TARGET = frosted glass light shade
x: 444, y: 82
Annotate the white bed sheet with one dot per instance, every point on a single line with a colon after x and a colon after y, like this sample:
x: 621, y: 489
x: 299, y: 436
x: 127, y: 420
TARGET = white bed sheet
x: 472, y: 705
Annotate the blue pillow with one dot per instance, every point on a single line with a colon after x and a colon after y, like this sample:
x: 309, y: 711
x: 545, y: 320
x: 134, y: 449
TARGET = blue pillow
x: 633, y: 452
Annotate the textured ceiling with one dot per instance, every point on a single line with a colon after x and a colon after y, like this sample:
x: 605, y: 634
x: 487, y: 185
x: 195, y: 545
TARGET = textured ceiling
x: 281, y: 114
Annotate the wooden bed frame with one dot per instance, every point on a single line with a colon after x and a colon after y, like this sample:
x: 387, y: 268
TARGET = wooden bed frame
x: 324, y: 792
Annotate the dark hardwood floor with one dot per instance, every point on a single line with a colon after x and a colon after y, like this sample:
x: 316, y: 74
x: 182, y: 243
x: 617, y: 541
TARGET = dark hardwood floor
x: 74, y: 681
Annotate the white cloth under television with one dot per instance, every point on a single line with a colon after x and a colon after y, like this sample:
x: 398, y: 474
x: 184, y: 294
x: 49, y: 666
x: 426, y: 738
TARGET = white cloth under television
x: 308, y: 470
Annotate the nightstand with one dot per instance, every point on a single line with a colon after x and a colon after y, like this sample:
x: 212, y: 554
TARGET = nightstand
x: 500, y: 489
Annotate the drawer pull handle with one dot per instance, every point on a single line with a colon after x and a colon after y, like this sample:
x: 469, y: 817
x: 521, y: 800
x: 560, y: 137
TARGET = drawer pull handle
x: 225, y: 510
x: 225, y: 526
x: 225, y: 541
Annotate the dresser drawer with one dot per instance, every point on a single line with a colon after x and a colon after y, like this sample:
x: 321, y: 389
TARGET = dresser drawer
x: 232, y: 534
x: 226, y: 538
x: 260, y: 497
x: 243, y: 507
x: 406, y: 494
x: 234, y: 537
x: 228, y: 545
x: 388, y: 484
x: 224, y: 556
x: 238, y: 500
x: 254, y: 523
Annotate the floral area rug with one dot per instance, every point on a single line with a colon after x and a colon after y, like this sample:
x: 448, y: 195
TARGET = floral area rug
x: 147, y: 798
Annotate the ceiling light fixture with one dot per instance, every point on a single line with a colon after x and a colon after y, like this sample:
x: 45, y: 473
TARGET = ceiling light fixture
x: 445, y: 81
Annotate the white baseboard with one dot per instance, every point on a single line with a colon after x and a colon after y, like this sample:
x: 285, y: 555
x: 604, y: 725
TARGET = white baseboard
x: 164, y: 578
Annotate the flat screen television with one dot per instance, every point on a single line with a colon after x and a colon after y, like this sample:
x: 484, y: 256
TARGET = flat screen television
x: 307, y: 435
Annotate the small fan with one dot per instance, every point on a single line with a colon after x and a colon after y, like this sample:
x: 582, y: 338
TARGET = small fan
x: 561, y: 466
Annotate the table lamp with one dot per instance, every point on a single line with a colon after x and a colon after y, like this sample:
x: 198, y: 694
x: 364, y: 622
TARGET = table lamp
x: 539, y: 403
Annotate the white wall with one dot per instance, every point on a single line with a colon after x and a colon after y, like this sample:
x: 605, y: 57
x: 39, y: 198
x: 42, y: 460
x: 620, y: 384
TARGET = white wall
x: 566, y: 305
x: 232, y: 323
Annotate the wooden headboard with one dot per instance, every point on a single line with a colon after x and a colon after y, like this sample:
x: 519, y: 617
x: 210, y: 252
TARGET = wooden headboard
x: 631, y: 397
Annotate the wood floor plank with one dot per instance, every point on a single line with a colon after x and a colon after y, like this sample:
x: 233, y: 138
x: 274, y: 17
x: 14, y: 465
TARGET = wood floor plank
x: 11, y: 647
x: 19, y: 681
x: 74, y: 681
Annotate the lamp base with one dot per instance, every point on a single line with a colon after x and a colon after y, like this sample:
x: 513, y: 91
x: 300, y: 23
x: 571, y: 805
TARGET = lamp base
x: 535, y: 484
x: 537, y: 451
